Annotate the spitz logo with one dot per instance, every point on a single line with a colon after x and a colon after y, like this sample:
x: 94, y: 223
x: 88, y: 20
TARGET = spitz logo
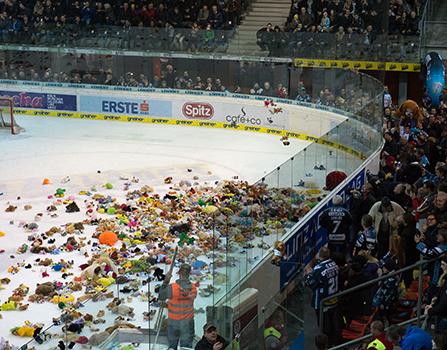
x: 198, y: 110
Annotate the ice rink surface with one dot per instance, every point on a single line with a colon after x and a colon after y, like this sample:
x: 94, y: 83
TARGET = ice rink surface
x: 55, y: 148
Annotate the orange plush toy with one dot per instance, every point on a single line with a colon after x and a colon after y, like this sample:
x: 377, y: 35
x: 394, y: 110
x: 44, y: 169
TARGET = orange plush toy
x: 410, y: 113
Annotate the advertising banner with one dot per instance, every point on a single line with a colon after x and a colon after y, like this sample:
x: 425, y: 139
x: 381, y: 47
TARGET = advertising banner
x: 307, y: 241
x: 250, y: 114
x: 23, y: 99
x: 362, y: 65
x: 125, y: 106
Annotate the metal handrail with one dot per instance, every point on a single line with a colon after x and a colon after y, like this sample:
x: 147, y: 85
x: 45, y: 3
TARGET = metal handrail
x: 365, y: 337
x: 378, y: 279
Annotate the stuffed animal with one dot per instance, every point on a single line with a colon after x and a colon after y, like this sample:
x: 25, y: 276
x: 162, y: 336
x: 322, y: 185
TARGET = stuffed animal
x: 278, y: 252
x: 123, y: 310
x: 63, y: 299
x: 410, y: 114
x: 45, y: 289
x: 98, y: 338
x: 24, y: 331
x: 8, y: 306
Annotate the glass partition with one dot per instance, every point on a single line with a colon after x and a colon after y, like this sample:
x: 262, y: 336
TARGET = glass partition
x: 196, y: 41
x: 241, y: 233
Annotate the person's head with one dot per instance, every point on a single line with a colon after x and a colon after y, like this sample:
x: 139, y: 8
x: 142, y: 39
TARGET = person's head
x: 408, y: 219
x: 385, y: 204
x: 429, y: 187
x: 441, y: 196
x: 399, y: 189
x: 441, y: 237
x: 337, y: 200
x: 444, y: 264
x: 324, y: 253
x: 210, y: 332
x: 367, y: 188
x: 376, y: 328
x: 184, y: 271
x: 321, y: 341
x: 367, y: 221
x: 432, y: 220
x: 395, y: 334
x: 266, y: 85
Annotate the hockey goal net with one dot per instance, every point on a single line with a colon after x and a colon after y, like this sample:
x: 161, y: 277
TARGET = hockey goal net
x: 7, y: 121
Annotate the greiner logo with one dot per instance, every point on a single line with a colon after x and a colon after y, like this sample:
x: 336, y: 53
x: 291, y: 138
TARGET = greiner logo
x: 198, y: 110
x: 242, y: 118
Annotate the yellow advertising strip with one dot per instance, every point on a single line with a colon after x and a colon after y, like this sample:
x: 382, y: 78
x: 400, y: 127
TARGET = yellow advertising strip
x: 357, y: 65
x: 199, y: 123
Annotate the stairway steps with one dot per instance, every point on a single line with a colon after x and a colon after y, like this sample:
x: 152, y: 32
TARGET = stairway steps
x: 260, y: 13
x: 270, y: 6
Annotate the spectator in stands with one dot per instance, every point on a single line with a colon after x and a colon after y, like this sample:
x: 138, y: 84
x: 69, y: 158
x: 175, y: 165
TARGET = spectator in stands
x: 305, y: 18
x: 357, y: 303
x: 438, y: 306
x: 388, y: 291
x: 211, y: 340
x: 267, y: 90
x: 265, y: 36
x: 379, y: 340
x: 256, y: 90
x: 371, y: 268
x: 384, y: 214
x: 281, y: 91
x: 367, y: 239
x: 322, y: 278
x: 275, y: 333
x: 411, y: 338
x: 429, y: 231
x: 361, y: 203
x: 401, y: 197
x: 407, y: 231
x: 336, y: 220
x: 302, y: 95
x: 439, y: 250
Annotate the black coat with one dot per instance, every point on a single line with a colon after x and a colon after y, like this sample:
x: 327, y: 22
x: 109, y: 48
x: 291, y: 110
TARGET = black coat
x: 204, y: 344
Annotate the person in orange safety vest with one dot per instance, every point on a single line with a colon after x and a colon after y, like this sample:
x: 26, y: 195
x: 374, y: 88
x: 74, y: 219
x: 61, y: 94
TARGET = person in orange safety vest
x: 181, y: 295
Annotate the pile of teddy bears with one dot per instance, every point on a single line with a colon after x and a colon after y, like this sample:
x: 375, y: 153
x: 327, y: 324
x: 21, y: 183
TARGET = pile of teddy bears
x: 133, y: 238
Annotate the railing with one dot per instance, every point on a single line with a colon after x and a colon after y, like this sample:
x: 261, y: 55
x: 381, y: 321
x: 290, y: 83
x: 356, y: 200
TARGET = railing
x: 368, y: 336
x: 419, y: 265
x: 155, y: 42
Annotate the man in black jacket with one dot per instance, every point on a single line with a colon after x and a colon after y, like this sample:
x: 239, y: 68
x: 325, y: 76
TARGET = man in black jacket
x: 211, y: 340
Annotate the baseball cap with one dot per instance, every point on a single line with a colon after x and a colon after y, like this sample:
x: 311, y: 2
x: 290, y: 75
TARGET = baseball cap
x: 209, y: 327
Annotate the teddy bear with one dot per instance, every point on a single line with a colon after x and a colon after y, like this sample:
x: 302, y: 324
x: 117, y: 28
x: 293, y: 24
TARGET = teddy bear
x: 410, y: 114
x: 279, y: 251
x: 98, y: 338
x: 46, y: 289
x: 123, y: 310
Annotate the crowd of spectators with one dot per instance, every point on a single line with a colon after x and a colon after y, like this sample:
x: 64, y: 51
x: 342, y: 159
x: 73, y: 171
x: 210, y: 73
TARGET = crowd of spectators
x: 343, y: 28
x: 174, y: 25
x: 398, y: 217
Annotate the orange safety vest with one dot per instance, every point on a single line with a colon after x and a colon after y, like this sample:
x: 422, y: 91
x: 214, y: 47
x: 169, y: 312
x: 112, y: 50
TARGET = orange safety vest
x: 181, y: 305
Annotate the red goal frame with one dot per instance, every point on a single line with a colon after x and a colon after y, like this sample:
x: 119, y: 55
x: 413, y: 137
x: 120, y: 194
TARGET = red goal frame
x: 8, y: 103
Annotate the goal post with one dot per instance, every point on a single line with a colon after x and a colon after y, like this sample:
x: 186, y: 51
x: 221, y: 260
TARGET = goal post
x: 7, y: 120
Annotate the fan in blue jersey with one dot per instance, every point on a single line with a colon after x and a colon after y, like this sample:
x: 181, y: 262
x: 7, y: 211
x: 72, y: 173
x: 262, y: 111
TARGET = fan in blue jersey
x: 323, y: 280
x: 337, y: 221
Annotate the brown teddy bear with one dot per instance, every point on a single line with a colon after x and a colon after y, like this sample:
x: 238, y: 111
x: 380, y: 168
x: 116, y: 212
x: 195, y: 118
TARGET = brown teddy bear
x: 46, y: 289
x: 279, y: 251
x: 410, y: 113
